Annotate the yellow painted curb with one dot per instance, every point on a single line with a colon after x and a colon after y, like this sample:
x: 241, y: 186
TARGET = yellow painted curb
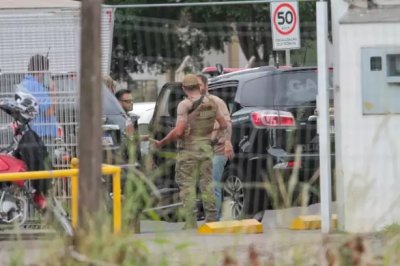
x: 310, y: 222
x: 249, y: 226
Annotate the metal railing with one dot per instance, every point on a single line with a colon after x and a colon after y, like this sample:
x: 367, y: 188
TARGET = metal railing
x: 73, y: 173
x: 115, y: 171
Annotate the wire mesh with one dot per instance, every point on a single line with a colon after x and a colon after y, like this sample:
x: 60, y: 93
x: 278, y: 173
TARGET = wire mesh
x: 156, y: 43
x: 39, y: 53
x: 144, y: 42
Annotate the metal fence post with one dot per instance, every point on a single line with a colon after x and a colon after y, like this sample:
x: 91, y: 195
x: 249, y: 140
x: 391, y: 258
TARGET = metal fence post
x: 324, y: 119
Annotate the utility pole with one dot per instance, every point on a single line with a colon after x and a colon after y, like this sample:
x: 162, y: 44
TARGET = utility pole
x: 90, y: 131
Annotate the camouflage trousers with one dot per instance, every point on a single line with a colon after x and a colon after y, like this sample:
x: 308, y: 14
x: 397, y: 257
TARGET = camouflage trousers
x: 194, y: 168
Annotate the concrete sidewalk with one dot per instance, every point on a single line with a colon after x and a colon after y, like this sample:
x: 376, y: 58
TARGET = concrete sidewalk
x: 168, y: 242
x: 177, y: 246
x: 212, y: 249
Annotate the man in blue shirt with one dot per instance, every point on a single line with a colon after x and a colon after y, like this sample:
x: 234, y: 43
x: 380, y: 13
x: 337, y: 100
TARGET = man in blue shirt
x: 45, y: 123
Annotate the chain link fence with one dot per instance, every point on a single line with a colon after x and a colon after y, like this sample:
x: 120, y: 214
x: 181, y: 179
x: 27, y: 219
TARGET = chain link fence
x: 152, y: 46
x: 275, y: 165
x: 39, y: 52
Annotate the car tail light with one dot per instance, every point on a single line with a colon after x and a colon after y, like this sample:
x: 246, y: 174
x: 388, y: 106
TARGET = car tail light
x: 271, y: 118
x: 292, y: 164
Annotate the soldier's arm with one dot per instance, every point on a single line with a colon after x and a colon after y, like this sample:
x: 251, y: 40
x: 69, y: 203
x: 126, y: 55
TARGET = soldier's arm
x: 228, y: 151
x: 180, y: 127
x: 223, y: 125
x: 227, y: 116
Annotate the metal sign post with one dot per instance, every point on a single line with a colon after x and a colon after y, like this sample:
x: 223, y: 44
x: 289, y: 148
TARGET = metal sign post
x: 324, y: 120
x: 287, y: 57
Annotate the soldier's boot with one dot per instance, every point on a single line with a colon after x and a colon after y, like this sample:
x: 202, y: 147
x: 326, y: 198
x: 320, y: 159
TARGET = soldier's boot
x: 211, y: 219
x: 211, y: 214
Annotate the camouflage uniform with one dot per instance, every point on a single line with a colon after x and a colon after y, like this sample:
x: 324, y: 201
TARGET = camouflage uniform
x: 194, y: 159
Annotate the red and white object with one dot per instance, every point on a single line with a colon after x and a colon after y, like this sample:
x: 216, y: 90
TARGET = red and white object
x: 285, y: 24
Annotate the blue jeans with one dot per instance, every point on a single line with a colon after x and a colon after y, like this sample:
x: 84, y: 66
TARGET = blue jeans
x: 218, y: 164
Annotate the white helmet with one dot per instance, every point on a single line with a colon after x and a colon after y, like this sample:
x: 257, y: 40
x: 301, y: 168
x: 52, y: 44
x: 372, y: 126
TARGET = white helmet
x: 26, y: 104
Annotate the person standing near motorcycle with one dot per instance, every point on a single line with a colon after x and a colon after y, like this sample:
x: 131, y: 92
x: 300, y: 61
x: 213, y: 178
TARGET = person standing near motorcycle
x: 131, y: 154
x: 223, y: 149
x: 38, y: 82
x: 43, y: 126
x: 194, y: 125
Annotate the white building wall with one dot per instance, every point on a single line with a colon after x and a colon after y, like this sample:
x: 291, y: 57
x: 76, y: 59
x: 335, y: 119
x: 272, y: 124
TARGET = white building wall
x: 212, y: 57
x: 370, y: 147
x: 242, y: 59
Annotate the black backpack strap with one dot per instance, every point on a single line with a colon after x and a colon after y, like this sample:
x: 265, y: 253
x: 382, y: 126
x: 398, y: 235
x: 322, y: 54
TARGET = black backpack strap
x: 196, y: 104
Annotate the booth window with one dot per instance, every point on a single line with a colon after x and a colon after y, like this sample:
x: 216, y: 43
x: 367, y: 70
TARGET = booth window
x: 376, y: 63
x: 393, y: 62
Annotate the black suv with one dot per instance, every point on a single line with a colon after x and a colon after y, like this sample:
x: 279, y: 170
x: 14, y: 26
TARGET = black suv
x: 273, y: 115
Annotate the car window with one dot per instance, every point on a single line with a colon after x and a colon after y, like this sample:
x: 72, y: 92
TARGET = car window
x: 296, y: 88
x: 110, y: 104
x: 228, y: 95
x: 258, y: 92
x: 168, y: 101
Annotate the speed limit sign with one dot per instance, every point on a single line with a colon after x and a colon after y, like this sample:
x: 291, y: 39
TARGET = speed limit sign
x: 285, y: 25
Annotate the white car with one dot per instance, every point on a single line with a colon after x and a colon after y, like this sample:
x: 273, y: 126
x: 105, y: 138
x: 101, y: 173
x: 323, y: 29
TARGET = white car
x: 145, y: 112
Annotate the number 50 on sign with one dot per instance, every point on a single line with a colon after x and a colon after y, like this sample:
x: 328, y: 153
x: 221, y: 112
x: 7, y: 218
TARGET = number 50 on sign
x: 285, y: 24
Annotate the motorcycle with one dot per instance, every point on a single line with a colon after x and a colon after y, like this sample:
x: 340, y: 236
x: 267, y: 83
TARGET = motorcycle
x: 16, y: 197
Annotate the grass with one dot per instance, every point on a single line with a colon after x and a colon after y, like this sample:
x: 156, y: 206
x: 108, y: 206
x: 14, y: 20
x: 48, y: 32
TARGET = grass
x: 392, y: 230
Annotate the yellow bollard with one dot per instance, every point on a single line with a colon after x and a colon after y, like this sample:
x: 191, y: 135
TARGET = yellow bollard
x: 74, y: 195
x: 310, y: 222
x: 74, y: 201
x: 248, y: 226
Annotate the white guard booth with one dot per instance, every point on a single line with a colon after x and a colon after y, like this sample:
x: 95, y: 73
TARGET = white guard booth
x: 368, y: 104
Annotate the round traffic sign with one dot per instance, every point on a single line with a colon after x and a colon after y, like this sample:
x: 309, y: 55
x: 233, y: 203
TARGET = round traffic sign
x: 285, y: 18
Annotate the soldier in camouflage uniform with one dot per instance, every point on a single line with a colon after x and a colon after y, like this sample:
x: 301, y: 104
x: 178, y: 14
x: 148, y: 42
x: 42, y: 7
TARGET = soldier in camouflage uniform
x: 195, y: 122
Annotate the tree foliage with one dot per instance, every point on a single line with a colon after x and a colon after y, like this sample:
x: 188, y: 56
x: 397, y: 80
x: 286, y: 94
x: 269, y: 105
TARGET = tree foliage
x: 158, y: 38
